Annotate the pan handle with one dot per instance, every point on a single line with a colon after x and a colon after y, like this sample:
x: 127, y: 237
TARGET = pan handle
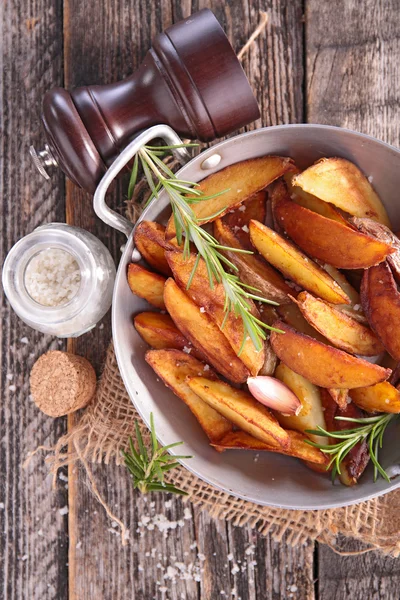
x: 110, y: 217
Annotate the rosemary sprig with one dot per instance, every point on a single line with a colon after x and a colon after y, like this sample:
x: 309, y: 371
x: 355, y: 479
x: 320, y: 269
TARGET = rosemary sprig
x: 182, y: 195
x: 371, y: 429
x: 148, y: 465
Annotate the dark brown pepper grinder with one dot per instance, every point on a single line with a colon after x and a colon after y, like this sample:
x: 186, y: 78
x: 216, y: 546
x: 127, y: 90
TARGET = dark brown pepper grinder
x: 190, y: 79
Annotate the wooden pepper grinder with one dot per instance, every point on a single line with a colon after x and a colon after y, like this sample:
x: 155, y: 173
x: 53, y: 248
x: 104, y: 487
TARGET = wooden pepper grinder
x: 190, y: 79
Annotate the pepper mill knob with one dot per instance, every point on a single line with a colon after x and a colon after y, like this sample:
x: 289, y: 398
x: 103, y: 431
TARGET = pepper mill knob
x: 190, y: 79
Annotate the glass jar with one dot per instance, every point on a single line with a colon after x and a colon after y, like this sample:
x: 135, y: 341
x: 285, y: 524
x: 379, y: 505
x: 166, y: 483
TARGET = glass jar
x: 93, y: 297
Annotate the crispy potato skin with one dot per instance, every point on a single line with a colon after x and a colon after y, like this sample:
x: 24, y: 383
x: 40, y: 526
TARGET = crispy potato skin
x: 240, y: 440
x: 294, y: 264
x: 173, y: 367
x: 147, y: 285
x: 354, y: 464
x: 340, y: 182
x: 323, y: 365
x: 159, y: 331
x: 340, y: 329
x: 241, y: 181
x: 331, y: 241
x: 382, y: 397
x: 254, y: 208
x: 381, y: 303
x: 241, y: 409
x: 311, y: 414
x: 253, y: 270
x: 203, y: 333
x: 149, y: 240
x: 213, y: 301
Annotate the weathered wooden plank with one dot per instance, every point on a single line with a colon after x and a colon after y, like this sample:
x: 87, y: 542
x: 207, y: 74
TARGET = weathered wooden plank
x: 353, y: 52
x: 33, y: 540
x: 104, y: 44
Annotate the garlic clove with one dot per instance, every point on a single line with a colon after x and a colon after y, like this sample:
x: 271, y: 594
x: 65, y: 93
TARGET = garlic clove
x: 273, y: 393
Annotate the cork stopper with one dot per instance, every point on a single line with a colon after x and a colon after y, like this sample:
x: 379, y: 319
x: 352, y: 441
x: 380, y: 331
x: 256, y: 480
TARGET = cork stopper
x: 62, y: 383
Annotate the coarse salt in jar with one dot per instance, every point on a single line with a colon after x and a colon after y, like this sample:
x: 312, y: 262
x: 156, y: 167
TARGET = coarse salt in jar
x: 59, y: 279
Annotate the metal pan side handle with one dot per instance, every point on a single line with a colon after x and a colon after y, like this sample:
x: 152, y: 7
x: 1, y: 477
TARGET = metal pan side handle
x: 102, y: 210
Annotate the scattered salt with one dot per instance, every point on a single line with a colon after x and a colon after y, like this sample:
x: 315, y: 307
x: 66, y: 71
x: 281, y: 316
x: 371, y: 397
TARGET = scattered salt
x: 245, y: 229
x: 24, y: 340
x: 357, y: 307
x: 235, y: 569
x: 230, y: 557
x: 370, y: 178
x: 293, y: 588
x: 62, y: 476
x: 24, y: 557
x: 187, y: 514
x: 78, y: 545
x: 1, y: 505
x: 186, y: 349
x: 63, y: 511
x: 202, y: 309
x: 12, y: 388
x: 40, y: 532
x: 206, y: 368
x: 168, y: 504
x: 242, y: 208
x: 387, y: 401
x: 10, y: 376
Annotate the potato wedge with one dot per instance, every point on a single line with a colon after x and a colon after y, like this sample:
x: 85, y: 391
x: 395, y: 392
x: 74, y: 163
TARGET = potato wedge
x: 340, y: 182
x: 270, y: 360
x: 342, y: 281
x: 159, y: 331
x: 353, y: 466
x: 311, y: 202
x: 203, y: 333
x: 240, y: 408
x: 239, y: 182
x: 149, y: 240
x: 382, y: 397
x: 382, y: 233
x: 173, y: 367
x: 295, y: 265
x: 340, y: 329
x: 380, y: 300
x: 328, y: 240
x: 252, y: 269
x: 212, y: 301
x: 291, y: 314
x: 311, y: 414
x: 146, y: 285
x: 340, y: 396
x: 238, y: 220
x: 323, y: 365
x: 240, y: 440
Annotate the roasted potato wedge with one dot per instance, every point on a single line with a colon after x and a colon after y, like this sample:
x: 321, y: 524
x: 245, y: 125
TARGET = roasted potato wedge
x: 311, y: 202
x: 238, y: 220
x: 291, y: 314
x: 311, y: 414
x: 323, y: 365
x: 149, y: 240
x: 239, y: 182
x: 240, y: 440
x: 173, y: 367
x: 330, y: 241
x: 339, y: 396
x: 252, y: 269
x: 382, y: 233
x: 353, y: 465
x: 295, y: 265
x: 342, y: 281
x: 147, y: 285
x: 382, y: 397
x: 340, y: 182
x: 203, y: 333
x: 159, y: 331
x: 380, y: 300
x: 240, y: 408
x: 340, y: 329
x: 212, y: 301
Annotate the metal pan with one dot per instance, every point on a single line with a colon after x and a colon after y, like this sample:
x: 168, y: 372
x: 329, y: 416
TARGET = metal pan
x: 272, y: 480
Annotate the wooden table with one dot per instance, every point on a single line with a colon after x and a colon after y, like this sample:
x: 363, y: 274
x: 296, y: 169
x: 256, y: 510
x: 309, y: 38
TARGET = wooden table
x: 319, y: 61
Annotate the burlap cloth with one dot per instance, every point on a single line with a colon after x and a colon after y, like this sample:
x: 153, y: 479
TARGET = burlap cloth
x: 106, y: 424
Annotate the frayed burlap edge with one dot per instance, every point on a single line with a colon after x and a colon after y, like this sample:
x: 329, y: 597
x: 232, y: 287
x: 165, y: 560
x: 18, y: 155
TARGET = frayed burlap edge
x: 106, y: 425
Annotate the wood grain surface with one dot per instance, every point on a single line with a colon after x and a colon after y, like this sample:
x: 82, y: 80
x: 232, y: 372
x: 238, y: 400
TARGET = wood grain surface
x: 342, y: 55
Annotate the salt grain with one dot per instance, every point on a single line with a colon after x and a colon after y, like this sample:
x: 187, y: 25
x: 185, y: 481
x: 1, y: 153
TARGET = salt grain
x: 10, y: 376
x: 52, y: 277
x: 202, y: 309
x: 245, y: 229
x: 63, y: 511
x: 12, y: 388
x: 24, y: 340
x: 242, y: 208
